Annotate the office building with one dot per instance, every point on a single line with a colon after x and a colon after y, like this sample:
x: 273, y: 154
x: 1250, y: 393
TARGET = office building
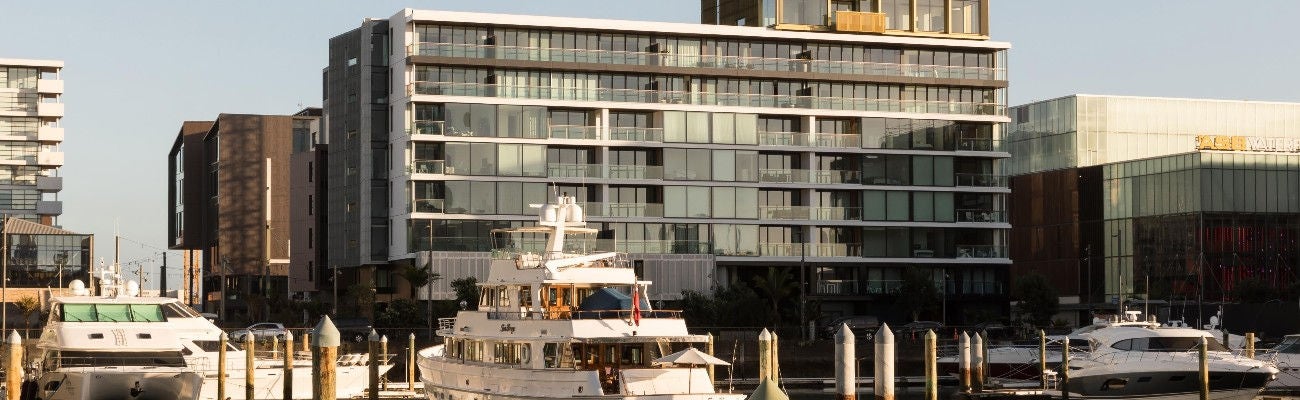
x: 844, y: 149
x: 41, y: 260
x: 31, y: 131
x: 1113, y: 195
x: 229, y: 191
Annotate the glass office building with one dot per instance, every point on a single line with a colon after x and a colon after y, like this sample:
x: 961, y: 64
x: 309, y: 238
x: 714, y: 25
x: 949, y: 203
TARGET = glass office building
x: 31, y: 135
x: 1196, y: 195
x: 709, y: 153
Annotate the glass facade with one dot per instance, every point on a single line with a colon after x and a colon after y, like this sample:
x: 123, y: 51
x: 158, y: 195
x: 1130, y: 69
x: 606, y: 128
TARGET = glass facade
x: 48, y: 261
x: 1197, y: 195
x: 33, y: 138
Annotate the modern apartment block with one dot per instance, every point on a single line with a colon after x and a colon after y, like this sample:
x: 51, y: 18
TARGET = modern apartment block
x: 229, y: 191
x: 1177, y: 201
x: 843, y: 148
x: 308, y: 250
x: 31, y: 131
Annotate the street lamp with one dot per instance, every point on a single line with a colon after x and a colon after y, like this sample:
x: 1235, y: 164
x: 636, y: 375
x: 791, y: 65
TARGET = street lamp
x: 1119, y: 271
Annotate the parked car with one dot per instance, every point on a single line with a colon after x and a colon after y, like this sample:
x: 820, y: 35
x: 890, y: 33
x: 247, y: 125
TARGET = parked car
x: 918, y: 327
x: 861, y: 325
x: 994, y: 330
x: 260, y: 331
x: 355, y: 329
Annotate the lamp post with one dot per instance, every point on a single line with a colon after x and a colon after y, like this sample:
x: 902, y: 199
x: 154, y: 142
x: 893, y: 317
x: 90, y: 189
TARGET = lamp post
x: 335, y: 278
x: 944, y: 317
x: 1119, y: 271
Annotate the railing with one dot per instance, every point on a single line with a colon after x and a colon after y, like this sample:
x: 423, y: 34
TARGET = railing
x: 981, y: 180
x: 783, y: 139
x: 574, y: 171
x: 636, y: 134
x: 703, y: 61
x: 837, y: 140
x: 582, y: 314
x: 445, y: 325
x: 624, y: 209
x: 636, y: 172
x: 428, y: 128
x: 574, y: 132
x: 717, y: 99
x: 810, y: 213
x: 973, y: 144
x: 977, y: 215
x: 664, y: 246
x: 981, y: 251
x: 835, y: 176
x: 781, y: 249
x: 429, y: 205
x: 837, y: 250
x: 883, y: 287
x: 429, y: 166
x: 782, y: 175
x: 836, y: 287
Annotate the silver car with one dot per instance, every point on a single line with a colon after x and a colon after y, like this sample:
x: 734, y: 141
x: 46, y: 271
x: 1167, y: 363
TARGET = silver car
x: 260, y: 331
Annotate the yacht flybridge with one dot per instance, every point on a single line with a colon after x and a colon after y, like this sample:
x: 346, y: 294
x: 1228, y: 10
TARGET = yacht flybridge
x: 559, y: 320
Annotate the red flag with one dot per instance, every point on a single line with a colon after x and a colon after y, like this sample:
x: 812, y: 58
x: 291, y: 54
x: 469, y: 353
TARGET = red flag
x: 636, y: 305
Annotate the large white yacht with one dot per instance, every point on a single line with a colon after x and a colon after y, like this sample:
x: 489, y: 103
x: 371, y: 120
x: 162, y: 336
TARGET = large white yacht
x: 558, y: 322
x: 1148, y: 362
x: 112, y: 347
x: 173, y: 339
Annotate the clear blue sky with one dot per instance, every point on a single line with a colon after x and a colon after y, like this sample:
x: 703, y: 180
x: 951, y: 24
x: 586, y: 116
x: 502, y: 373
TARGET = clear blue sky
x: 136, y: 69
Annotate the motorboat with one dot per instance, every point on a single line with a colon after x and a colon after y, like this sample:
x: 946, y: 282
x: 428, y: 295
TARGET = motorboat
x: 1021, y: 361
x: 1286, y: 357
x: 113, y: 347
x: 558, y: 319
x: 1146, y: 362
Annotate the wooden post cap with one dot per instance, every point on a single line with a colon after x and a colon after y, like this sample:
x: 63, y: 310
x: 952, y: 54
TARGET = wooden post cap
x: 15, y: 338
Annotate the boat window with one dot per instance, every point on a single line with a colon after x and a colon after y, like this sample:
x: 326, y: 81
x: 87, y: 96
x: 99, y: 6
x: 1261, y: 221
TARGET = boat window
x: 113, y: 313
x: 1114, y: 384
x: 174, y: 310
x: 1167, y: 344
x: 121, y: 358
x: 632, y: 354
x: 503, y: 297
x: 551, y: 354
x: 211, y: 346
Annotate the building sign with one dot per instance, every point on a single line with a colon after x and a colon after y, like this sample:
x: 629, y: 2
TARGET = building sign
x: 1247, y: 143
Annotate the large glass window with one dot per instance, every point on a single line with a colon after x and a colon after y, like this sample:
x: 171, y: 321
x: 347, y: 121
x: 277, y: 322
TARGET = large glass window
x: 697, y: 127
x: 930, y: 15
x: 803, y: 12
x: 966, y: 16
x: 898, y: 14
x: 724, y: 165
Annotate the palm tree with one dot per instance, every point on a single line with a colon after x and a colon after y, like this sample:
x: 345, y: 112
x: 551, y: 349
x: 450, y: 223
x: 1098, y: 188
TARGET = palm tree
x: 418, y: 277
x: 777, y: 286
x: 27, y: 305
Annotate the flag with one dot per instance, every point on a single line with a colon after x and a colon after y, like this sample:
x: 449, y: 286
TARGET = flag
x: 636, y: 304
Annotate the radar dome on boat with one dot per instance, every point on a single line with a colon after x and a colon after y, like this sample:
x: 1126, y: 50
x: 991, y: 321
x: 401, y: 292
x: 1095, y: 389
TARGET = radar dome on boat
x: 78, y: 288
x: 548, y: 213
x: 132, y: 288
x: 575, y: 213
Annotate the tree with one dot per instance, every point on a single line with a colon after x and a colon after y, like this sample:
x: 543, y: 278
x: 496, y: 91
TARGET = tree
x: 418, y: 277
x: 27, y: 305
x: 778, y: 286
x: 735, y: 305
x: 1038, y: 299
x: 917, y: 294
x: 363, y: 295
x: 467, y: 291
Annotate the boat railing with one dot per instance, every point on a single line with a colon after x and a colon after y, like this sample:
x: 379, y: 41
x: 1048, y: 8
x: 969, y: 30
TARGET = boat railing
x: 579, y: 314
x: 446, y: 325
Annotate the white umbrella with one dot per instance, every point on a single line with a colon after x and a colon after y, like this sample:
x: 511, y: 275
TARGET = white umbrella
x: 690, y: 356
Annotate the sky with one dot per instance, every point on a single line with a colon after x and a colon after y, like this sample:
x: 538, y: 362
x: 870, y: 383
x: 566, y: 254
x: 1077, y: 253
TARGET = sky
x: 134, y: 70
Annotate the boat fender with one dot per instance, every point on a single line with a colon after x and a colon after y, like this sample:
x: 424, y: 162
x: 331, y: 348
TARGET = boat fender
x: 519, y: 262
x: 526, y: 357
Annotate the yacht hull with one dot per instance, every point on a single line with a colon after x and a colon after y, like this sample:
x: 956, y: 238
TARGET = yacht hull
x: 109, y: 384
x: 268, y: 383
x: 1168, y: 385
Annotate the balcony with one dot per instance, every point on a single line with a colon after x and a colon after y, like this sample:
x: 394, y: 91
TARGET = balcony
x: 837, y: 140
x: 810, y: 213
x: 781, y: 175
x: 54, y: 86
x: 834, y: 287
x: 972, y: 215
x: 47, y: 207
x: 837, y: 176
x: 574, y: 132
x: 973, y: 144
x: 981, y: 180
x: 697, y: 98
x: 662, y: 246
x: 574, y: 171
x: 49, y: 158
x: 981, y: 251
x: 49, y: 134
x: 636, y: 172
x: 837, y: 250
x: 49, y: 109
x: 859, y: 22
x: 49, y: 184
x: 781, y: 249
x: 782, y: 139
x: 636, y: 134
x: 711, y: 61
x: 624, y: 210
x: 427, y: 128
x: 428, y: 205
x: 429, y: 167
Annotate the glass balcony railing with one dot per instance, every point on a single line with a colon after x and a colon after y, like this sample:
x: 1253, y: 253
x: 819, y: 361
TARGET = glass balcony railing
x: 574, y: 171
x: 663, y: 246
x: 981, y: 251
x: 636, y: 172
x: 973, y: 144
x: 842, y: 287
x: 783, y: 138
x: 837, y: 250
x: 428, y: 205
x: 836, y: 176
x: 703, y: 61
x: 636, y: 134
x: 427, y: 128
x: 428, y: 166
x: 715, y: 99
x: 975, y: 215
x: 781, y: 175
x: 781, y: 249
x: 837, y: 140
x: 630, y: 210
x: 810, y: 213
x: 981, y: 180
x: 574, y: 132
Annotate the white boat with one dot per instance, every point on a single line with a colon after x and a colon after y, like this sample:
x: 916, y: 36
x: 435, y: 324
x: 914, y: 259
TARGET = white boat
x: 558, y: 322
x: 1021, y: 362
x: 1286, y: 356
x: 105, y: 348
x: 196, y: 344
x: 1136, y: 362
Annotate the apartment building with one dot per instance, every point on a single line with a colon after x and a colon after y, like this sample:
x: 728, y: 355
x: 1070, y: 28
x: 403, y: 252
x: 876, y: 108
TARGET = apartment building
x: 1120, y: 199
x: 229, y: 199
x: 844, y: 147
x: 31, y: 131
